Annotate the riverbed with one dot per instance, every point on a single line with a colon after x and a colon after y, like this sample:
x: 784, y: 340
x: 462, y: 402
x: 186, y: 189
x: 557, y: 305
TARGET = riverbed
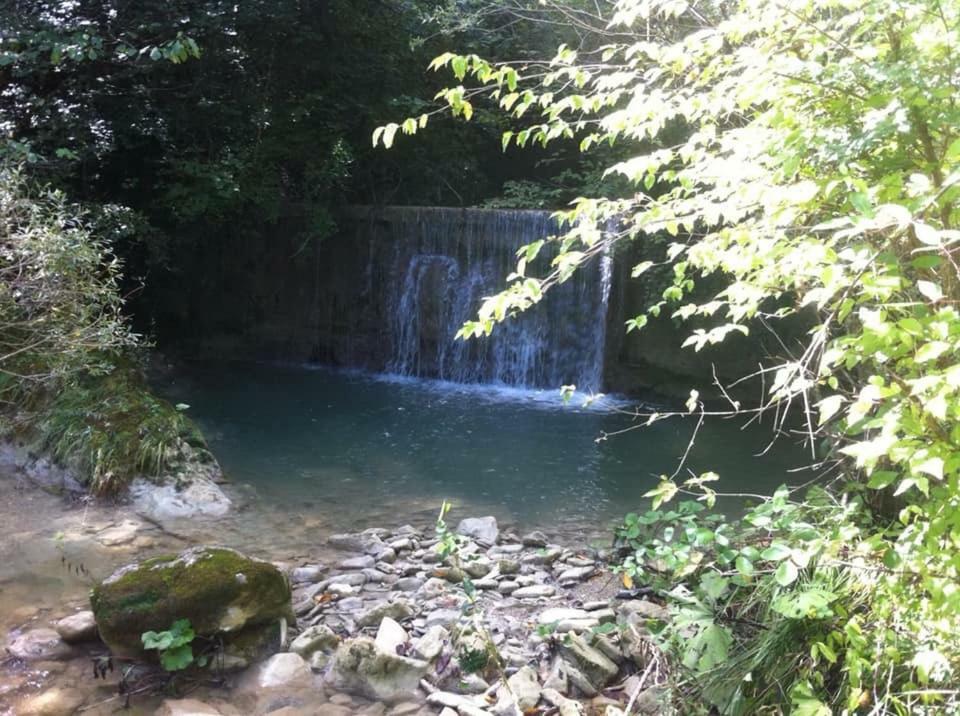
x: 310, y: 452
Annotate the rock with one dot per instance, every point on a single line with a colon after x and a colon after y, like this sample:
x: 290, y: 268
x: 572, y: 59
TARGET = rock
x: 319, y: 660
x: 534, y: 539
x: 402, y: 544
x: 482, y: 529
x: 409, y: 584
x: 390, y: 636
x: 537, y: 590
x: 478, y: 568
x: 310, y: 573
x: 508, y: 587
x: 342, y: 589
x: 508, y: 566
x: 223, y: 593
x: 388, y: 555
x: 186, y: 707
x: 52, y: 702
x: 398, y: 610
x: 593, y: 664
x: 576, y: 574
x: 442, y: 617
x: 282, y: 671
x: 40, y: 645
x: 640, y: 609
x: 364, y: 562
x: 548, y: 555
x: 201, y: 496
x: 525, y: 687
x: 121, y: 534
x: 364, y: 542
x: 360, y: 668
x: 430, y: 645
x: 432, y: 588
x: 315, y: 638
x: 77, y: 628
x: 567, y: 707
x: 555, y: 615
x: 464, y: 705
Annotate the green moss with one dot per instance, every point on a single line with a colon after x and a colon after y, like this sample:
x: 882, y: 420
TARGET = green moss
x: 220, y: 591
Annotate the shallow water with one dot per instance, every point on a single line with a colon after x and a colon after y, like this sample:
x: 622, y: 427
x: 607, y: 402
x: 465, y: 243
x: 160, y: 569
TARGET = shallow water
x: 352, y: 448
x: 310, y: 452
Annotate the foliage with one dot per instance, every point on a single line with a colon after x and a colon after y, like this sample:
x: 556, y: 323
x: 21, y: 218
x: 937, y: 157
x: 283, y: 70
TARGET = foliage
x: 59, y: 298
x: 173, y: 646
x: 67, y: 379
x: 814, y: 162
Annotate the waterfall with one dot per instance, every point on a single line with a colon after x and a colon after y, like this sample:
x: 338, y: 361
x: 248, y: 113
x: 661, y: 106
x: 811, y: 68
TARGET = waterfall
x: 434, y: 266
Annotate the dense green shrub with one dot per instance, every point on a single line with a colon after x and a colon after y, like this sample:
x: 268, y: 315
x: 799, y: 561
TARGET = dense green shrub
x: 67, y: 374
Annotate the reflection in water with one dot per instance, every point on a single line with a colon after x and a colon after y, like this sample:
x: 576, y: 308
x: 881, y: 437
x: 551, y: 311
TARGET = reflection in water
x: 352, y: 446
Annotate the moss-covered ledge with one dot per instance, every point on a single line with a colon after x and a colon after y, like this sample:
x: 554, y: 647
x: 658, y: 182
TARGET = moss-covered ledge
x: 106, y: 432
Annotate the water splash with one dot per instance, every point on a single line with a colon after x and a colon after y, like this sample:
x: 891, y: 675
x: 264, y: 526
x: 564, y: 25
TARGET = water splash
x: 440, y: 263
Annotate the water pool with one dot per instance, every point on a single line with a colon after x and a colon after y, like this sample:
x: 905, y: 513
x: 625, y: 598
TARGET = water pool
x: 353, y: 447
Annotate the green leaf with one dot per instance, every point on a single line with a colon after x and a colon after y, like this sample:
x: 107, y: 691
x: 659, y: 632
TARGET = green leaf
x: 776, y: 552
x: 177, y: 658
x: 786, y: 574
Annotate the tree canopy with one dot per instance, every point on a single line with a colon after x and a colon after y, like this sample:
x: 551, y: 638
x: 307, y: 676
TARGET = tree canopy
x: 808, y: 152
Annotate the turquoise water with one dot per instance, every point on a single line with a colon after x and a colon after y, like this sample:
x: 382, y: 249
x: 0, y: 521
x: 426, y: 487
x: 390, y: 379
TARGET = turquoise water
x: 348, y: 446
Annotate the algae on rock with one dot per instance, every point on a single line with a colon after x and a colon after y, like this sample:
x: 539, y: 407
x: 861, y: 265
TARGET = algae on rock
x: 223, y: 593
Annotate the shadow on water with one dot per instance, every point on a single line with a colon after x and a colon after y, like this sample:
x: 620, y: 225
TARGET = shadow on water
x: 351, y: 445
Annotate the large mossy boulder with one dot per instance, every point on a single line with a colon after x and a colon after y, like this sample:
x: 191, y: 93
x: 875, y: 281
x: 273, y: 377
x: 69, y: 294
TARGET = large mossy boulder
x: 223, y: 593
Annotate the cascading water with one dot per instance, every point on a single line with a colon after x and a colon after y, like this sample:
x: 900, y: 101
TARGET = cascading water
x: 436, y: 265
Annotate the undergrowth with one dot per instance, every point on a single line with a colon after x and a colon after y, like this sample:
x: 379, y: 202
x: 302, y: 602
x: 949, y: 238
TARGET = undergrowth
x: 110, y: 429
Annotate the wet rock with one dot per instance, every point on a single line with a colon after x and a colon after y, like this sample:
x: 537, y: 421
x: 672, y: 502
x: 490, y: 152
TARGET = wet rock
x: 223, y: 593
x: 282, y: 671
x: 388, y: 555
x: 77, y: 628
x: 535, y: 591
x: 398, y: 610
x: 315, y: 638
x: 358, y: 667
x: 53, y: 702
x: 364, y: 562
x: 482, y: 529
x: 534, y: 539
x: 592, y: 663
x: 200, y: 496
x: 40, y: 645
x: 390, y: 636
